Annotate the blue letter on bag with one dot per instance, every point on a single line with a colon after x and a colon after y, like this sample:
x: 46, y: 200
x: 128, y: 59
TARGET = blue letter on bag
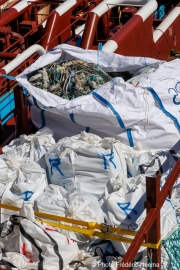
x: 125, y: 207
x: 55, y: 163
x: 110, y: 158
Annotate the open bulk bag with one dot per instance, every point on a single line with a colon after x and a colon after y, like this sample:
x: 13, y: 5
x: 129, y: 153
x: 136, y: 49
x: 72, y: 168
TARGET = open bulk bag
x: 116, y: 109
x: 85, y: 161
x: 28, y: 181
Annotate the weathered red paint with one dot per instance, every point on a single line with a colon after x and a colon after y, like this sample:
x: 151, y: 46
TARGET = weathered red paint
x: 56, y: 23
x: 2, y: 71
x: 7, y: 56
x: 136, y: 38
x: 11, y: 14
x: 89, y: 31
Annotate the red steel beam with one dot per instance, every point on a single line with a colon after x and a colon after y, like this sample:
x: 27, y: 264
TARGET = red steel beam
x: 154, y: 234
x: 89, y: 31
x: 137, y: 38
x: 61, y: 34
x: 15, y: 11
x: 102, y: 11
x: 21, y: 112
x: 138, y: 239
x: 148, y: 230
x: 68, y: 27
x: 7, y: 56
x: 59, y: 19
x: 167, y: 188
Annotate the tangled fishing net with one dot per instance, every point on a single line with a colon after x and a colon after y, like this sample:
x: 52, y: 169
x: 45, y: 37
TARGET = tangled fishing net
x: 172, y: 246
x: 69, y: 79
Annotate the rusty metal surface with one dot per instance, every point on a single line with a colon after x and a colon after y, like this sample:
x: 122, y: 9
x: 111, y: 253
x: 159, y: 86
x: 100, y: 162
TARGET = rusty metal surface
x: 154, y: 234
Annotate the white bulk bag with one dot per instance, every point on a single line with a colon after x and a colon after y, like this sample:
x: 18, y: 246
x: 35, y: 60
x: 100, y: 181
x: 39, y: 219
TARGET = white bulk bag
x: 81, y: 206
x: 52, y: 201
x: 125, y: 207
x: 42, y: 245
x: 33, y: 146
x: 84, y: 206
x: 85, y: 161
x: 29, y: 183
x: 149, y: 162
x: 117, y: 109
x: 6, y: 174
x: 19, y: 261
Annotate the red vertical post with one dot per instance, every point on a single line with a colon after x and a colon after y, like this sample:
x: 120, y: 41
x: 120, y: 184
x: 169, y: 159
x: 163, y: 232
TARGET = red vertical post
x: 20, y: 112
x: 89, y: 31
x: 154, y: 234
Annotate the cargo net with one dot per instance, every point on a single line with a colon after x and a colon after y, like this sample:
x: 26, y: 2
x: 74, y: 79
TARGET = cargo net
x: 172, y: 246
x: 69, y: 79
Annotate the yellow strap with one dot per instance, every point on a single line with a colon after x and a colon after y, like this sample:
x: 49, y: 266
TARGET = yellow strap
x: 9, y: 207
x: 73, y: 221
x: 125, y: 239
x: 91, y: 232
x: 90, y: 229
x: 92, y: 225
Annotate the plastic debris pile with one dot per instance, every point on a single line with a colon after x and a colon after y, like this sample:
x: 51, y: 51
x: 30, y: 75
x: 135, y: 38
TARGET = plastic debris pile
x: 86, y: 178
x: 69, y: 79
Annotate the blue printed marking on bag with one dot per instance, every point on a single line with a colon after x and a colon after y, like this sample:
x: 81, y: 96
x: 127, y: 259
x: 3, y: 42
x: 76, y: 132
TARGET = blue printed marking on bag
x: 117, y: 115
x: 111, y: 157
x: 155, y: 95
x: 9, y: 77
x: 27, y: 195
x: 129, y: 175
x: 167, y: 199
x: 125, y: 207
x: 55, y: 163
x: 176, y: 91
